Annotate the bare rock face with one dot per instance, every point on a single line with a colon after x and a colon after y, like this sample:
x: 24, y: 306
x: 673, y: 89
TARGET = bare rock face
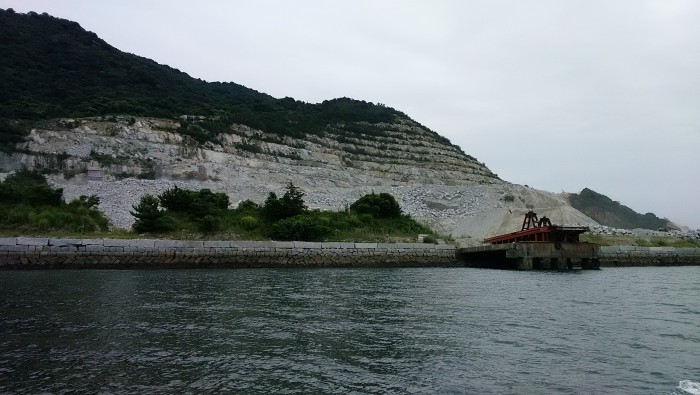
x: 434, y: 181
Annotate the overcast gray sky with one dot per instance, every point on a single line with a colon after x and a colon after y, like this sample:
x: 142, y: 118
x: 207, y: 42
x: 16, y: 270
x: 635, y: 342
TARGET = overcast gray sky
x: 556, y: 94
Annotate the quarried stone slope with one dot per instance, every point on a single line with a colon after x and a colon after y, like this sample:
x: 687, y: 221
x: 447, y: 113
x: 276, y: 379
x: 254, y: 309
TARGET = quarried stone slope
x: 404, y: 153
x: 434, y: 181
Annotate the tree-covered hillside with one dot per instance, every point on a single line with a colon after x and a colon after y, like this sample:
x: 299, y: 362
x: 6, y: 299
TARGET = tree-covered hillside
x: 52, y: 67
x: 607, y: 212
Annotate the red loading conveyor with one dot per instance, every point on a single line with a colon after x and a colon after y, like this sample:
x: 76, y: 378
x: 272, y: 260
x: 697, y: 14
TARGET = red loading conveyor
x: 542, y: 230
x: 552, y: 234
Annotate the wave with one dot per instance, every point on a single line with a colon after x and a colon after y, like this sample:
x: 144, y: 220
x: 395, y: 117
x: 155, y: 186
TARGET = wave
x: 689, y: 387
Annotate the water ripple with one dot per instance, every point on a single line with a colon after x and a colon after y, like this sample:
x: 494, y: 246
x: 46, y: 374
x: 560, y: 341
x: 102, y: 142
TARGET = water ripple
x: 349, y: 331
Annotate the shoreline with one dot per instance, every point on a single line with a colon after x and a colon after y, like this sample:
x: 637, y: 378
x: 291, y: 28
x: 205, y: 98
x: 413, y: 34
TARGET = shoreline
x: 47, y: 253
x: 18, y: 253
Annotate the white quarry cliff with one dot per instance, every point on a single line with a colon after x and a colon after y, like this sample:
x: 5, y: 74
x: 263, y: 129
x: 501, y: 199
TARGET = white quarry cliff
x: 433, y: 181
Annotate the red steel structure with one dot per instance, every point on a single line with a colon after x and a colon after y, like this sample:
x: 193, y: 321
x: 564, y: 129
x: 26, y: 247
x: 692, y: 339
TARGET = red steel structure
x: 540, y: 231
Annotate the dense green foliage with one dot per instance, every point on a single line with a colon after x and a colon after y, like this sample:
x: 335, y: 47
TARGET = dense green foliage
x: 607, y: 212
x: 203, y: 208
x: 52, y: 67
x: 29, y: 205
x: 285, y: 218
x: 150, y: 217
x: 300, y: 227
x: 382, y: 205
x: 290, y: 205
x: 29, y: 187
x: 10, y: 134
x: 196, y: 203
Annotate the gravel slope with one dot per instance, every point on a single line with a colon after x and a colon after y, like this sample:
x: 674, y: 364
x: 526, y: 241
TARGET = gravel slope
x: 467, y: 213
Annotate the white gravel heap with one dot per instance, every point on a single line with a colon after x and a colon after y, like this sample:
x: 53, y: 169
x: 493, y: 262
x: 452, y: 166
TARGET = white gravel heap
x: 465, y: 212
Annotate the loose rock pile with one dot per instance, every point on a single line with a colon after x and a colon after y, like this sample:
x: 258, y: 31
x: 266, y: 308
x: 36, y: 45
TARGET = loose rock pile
x: 609, y: 231
x: 425, y: 201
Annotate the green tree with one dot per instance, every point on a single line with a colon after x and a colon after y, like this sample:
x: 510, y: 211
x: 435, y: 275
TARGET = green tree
x: 27, y: 202
x: 290, y: 205
x: 176, y: 199
x: 26, y: 177
x: 207, y: 202
x: 30, y: 187
x: 10, y: 135
x: 382, y: 205
x: 91, y: 201
x: 149, y: 216
x: 196, y: 203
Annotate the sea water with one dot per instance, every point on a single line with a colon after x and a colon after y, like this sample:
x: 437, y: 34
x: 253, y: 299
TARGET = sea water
x: 411, y: 330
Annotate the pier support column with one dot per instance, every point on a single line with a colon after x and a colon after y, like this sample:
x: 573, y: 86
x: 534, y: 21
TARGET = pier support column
x: 586, y: 263
x: 590, y: 263
x: 545, y: 264
x: 524, y: 264
x: 555, y: 264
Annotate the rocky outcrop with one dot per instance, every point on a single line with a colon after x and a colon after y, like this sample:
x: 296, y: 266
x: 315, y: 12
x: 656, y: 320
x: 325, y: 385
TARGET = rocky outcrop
x: 405, y: 154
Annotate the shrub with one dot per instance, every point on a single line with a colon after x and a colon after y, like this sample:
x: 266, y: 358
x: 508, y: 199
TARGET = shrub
x: 91, y: 201
x: 208, y: 223
x: 28, y: 202
x: 43, y: 195
x: 249, y: 222
x: 201, y: 203
x: 147, y: 174
x: 207, y: 202
x: 52, y: 218
x: 104, y: 159
x: 300, y: 228
x: 290, y: 205
x: 16, y: 215
x: 247, y: 205
x: 382, y: 205
x: 248, y: 146
x: 29, y: 187
x: 26, y: 177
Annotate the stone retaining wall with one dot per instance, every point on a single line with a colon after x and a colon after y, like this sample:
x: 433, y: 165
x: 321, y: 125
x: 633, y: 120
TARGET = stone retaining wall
x: 648, y: 256
x: 46, y: 253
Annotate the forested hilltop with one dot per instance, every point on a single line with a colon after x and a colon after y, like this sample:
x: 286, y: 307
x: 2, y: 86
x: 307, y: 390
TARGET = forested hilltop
x: 52, y: 67
x: 607, y: 212
x: 70, y: 102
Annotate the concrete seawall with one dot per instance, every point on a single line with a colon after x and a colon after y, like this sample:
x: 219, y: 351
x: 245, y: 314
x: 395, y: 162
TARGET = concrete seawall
x: 648, y: 256
x: 48, y: 253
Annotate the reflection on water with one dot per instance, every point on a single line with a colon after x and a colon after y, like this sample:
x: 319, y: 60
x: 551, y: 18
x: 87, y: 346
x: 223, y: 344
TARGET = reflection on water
x: 456, y: 330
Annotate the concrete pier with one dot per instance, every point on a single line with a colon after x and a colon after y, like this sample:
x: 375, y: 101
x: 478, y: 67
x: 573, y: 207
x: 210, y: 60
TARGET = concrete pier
x: 532, y: 256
